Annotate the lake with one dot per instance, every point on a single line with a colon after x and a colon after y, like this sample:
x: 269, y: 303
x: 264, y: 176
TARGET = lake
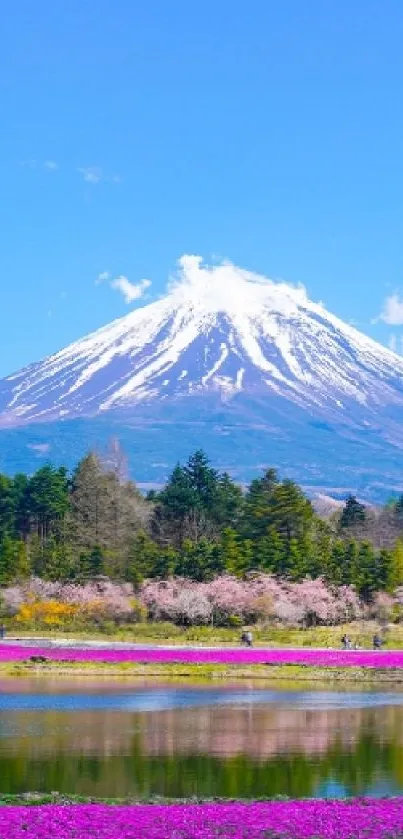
x: 132, y: 738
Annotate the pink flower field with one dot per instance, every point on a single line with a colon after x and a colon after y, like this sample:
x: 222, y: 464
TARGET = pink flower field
x: 392, y: 659
x: 357, y: 819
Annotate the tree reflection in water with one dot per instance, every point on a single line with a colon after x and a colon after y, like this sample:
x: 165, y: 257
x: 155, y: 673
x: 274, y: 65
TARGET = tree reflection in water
x: 238, y: 752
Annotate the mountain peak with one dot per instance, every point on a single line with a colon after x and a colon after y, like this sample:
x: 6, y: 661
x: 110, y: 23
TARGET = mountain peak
x: 219, y: 329
x: 225, y: 288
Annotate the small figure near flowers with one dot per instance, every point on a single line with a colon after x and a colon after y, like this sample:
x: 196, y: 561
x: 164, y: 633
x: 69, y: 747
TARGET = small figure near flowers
x: 247, y: 638
x: 377, y: 642
x: 2, y: 631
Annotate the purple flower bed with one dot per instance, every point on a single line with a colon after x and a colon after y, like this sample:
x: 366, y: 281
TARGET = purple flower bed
x: 360, y: 819
x: 315, y: 658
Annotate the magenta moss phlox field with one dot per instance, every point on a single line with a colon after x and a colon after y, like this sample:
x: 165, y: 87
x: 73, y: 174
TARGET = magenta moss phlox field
x: 358, y: 819
x: 308, y: 657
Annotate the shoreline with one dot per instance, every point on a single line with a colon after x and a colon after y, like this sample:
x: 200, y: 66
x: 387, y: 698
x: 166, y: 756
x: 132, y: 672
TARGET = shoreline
x: 38, y: 799
x: 203, y: 672
x: 71, y: 657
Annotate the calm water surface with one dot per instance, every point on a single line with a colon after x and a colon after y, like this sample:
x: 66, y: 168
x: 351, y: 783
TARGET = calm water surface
x: 139, y: 739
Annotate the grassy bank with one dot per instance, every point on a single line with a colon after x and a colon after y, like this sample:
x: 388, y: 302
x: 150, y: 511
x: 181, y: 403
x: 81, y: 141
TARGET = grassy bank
x: 290, y: 673
x: 167, y: 633
x: 37, y: 798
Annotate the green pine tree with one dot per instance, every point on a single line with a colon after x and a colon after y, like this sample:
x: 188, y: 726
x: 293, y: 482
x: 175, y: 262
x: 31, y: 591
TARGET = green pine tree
x: 320, y: 560
x: 291, y: 513
x: 256, y: 516
x: 7, y: 506
x: 51, y: 560
x: 142, y: 556
x: 9, y: 550
x: 365, y: 577
x: 96, y: 562
x: 308, y: 565
x: 165, y: 563
x: 195, y: 559
x: 247, y: 557
x: 334, y: 571
x: 228, y: 504
x: 295, y: 560
x: 349, y: 563
x: 203, y: 481
x: 385, y: 569
x: 22, y: 565
x: 396, y: 570
x: 231, y: 552
x: 353, y: 512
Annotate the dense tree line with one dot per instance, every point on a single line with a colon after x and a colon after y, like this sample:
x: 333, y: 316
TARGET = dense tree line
x: 96, y: 522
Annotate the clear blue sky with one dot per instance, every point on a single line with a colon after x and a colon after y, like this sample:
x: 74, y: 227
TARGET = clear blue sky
x: 268, y: 132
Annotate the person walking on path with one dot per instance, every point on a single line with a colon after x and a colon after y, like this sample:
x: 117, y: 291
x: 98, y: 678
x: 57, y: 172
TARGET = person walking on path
x: 377, y: 642
x: 247, y: 638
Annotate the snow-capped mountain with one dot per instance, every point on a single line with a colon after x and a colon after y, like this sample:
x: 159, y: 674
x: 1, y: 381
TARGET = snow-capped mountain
x: 250, y: 369
x: 219, y: 330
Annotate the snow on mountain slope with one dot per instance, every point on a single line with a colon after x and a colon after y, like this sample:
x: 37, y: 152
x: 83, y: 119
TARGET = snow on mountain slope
x: 218, y: 330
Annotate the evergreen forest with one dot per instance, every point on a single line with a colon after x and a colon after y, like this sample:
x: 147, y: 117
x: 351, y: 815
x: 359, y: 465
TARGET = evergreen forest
x: 96, y: 523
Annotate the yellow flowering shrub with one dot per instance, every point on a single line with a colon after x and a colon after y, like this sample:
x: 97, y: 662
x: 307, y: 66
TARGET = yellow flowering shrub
x: 46, y: 612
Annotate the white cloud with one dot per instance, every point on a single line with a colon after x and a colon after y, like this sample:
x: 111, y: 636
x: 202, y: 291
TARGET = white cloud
x: 94, y: 175
x: 91, y: 174
x: 130, y: 291
x: 51, y: 165
x: 102, y: 277
x: 225, y: 284
x: 392, y: 312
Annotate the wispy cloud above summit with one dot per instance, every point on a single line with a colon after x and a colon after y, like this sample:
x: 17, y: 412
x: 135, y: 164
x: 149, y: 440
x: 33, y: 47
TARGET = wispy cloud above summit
x: 130, y: 291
